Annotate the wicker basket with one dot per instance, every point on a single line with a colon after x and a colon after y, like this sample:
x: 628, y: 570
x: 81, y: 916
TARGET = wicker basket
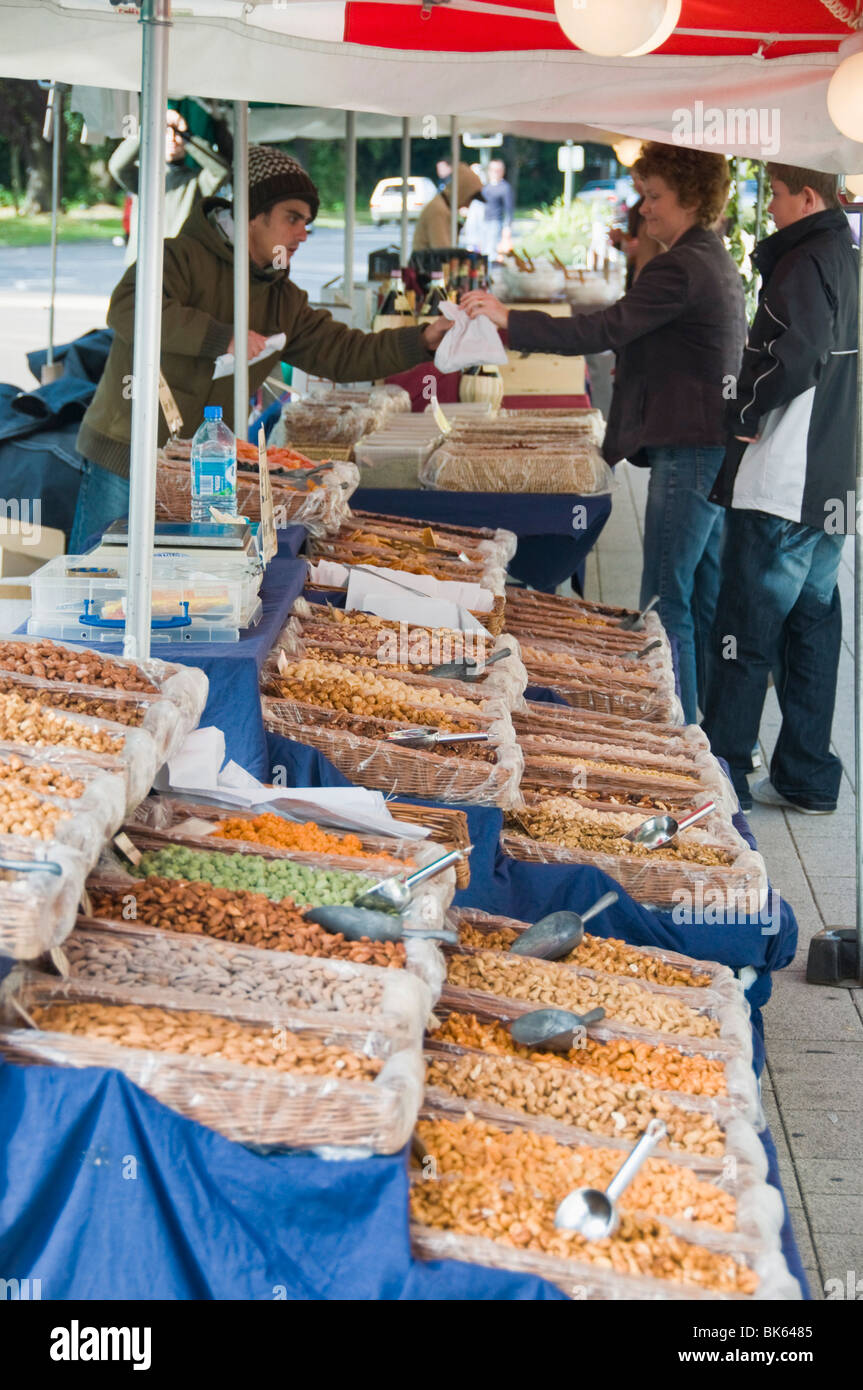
x: 448, y: 826
x: 250, y: 1105
x: 390, y: 768
x: 577, y: 470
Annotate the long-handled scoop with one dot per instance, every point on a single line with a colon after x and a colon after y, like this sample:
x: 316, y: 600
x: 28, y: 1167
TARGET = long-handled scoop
x: 394, y: 894
x: 359, y: 924
x: 645, y: 651
x: 468, y: 670
x: 661, y: 830
x: 593, y: 1214
x: 553, y: 1030
x: 425, y: 736
x: 558, y: 933
x: 635, y: 622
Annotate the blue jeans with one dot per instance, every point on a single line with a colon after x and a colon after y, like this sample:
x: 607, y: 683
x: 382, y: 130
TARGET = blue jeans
x: 778, y: 610
x: 682, y: 533
x: 103, y: 498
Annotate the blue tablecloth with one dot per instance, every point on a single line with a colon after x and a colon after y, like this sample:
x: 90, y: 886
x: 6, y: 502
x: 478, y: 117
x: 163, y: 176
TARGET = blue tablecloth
x: 107, y: 1194
x: 556, y: 533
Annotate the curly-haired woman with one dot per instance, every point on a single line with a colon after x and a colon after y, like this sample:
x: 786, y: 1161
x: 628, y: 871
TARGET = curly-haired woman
x: 679, y: 334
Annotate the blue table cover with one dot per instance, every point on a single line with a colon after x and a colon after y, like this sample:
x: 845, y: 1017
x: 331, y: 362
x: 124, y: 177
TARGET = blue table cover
x: 107, y: 1194
x: 556, y: 532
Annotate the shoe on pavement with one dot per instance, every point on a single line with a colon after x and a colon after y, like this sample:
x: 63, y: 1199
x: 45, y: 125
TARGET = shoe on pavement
x: 765, y: 793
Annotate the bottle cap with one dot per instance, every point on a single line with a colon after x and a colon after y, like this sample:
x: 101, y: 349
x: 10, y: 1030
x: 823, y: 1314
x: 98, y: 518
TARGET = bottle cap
x: 212, y: 412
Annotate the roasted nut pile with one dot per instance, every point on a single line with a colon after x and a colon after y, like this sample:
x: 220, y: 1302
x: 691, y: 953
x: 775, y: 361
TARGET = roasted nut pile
x: 618, y: 1109
x: 33, y: 723
x: 359, y: 659
x: 623, y: 1059
x: 250, y: 919
x: 277, y: 878
x: 379, y: 728
x: 23, y: 813
x: 332, y: 686
x: 570, y: 831
x: 275, y: 831
x: 129, y: 712
x: 537, y: 1162
x: 479, y: 1207
x: 607, y: 954
x: 52, y: 663
x: 197, y: 1034
x: 197, y: 967
x: 42, y: 778
x: 547, y: 982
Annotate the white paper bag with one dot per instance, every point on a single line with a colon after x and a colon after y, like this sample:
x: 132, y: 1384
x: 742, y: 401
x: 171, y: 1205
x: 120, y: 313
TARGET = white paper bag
x: 469, y: 343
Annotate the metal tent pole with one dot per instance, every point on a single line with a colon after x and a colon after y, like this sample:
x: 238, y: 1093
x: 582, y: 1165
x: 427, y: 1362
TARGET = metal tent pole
x: 454, y: 151
x: 350, y: 203
x: 836, y: 953
x: 53, y: 131
x: 156, y: 22
x: 406, y: 170
x: 241, y: 269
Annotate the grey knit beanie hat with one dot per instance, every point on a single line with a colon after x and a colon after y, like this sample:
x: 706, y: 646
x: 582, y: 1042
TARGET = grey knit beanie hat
x: 275, y: 176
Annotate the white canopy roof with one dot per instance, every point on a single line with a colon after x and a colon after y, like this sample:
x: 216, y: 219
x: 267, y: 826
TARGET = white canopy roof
x: 294, y: 52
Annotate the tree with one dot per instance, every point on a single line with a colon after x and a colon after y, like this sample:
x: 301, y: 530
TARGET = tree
x: 22, y: 114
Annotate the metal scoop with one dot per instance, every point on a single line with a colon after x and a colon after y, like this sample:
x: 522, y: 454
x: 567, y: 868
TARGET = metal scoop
x: 553, y: 1030
x: 360, y: 924
x: 425, y: 736
x: 651, y: 647
x: 593, y: 1214
x: 635, y: 622
x: 468, y: 670
x: 558, y: 933
x: 661, y: 830
x: 394, y: 894
x: 32, y: 866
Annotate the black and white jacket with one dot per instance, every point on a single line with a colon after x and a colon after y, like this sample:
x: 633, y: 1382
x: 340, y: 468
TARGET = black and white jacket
x: 796, y: 392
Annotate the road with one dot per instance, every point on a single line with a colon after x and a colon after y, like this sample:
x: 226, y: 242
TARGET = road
x: 88, y: 271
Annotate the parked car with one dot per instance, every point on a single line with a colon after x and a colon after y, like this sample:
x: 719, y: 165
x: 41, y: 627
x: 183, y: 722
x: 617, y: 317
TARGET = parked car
x: 617, y: 194
x: 386, y: 201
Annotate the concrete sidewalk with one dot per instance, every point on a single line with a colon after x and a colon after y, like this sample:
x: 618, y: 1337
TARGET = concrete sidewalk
x: 813, y: 1081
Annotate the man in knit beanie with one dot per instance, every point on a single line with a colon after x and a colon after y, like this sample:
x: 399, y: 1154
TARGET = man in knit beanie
x: 197, y: 327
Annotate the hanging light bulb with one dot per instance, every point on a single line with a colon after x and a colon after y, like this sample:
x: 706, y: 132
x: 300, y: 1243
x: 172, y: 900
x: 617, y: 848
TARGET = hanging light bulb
x: 627, y: 151
x: 845, y: 97
x: 617, y: 28
x: 854, y: 184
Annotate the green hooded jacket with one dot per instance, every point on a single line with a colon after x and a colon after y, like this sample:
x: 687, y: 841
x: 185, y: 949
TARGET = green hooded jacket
x: 197, y: 325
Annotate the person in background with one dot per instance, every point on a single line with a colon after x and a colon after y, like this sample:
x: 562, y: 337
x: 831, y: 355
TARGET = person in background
x: 433, y: 227
x: 184, y: 185
x: 443, y: 169
x: 679, y: 335
x: 473, y: 228
x: 197, y: 327
x: 788, y: 480
x: 635, y: 242
x: 499, y: 212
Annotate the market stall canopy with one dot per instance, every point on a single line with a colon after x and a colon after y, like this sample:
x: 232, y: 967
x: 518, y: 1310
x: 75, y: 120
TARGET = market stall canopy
x: 749, y: 76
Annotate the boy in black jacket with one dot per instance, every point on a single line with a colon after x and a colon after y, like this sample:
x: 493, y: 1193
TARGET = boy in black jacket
x: 788, y: 480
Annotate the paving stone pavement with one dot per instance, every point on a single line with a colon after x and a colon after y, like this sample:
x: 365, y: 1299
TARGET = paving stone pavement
x: 813, y: 1082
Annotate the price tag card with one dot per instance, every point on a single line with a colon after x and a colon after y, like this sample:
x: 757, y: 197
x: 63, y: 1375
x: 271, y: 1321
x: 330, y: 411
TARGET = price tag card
x: 170, y: 409
x: 127, y: 849
x: 268, y: 542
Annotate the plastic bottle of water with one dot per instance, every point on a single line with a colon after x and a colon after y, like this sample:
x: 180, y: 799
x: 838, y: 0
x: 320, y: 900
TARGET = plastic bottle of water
x: 214, y: 466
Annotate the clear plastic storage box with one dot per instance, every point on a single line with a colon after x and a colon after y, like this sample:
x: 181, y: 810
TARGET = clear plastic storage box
x: 73, y: 599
